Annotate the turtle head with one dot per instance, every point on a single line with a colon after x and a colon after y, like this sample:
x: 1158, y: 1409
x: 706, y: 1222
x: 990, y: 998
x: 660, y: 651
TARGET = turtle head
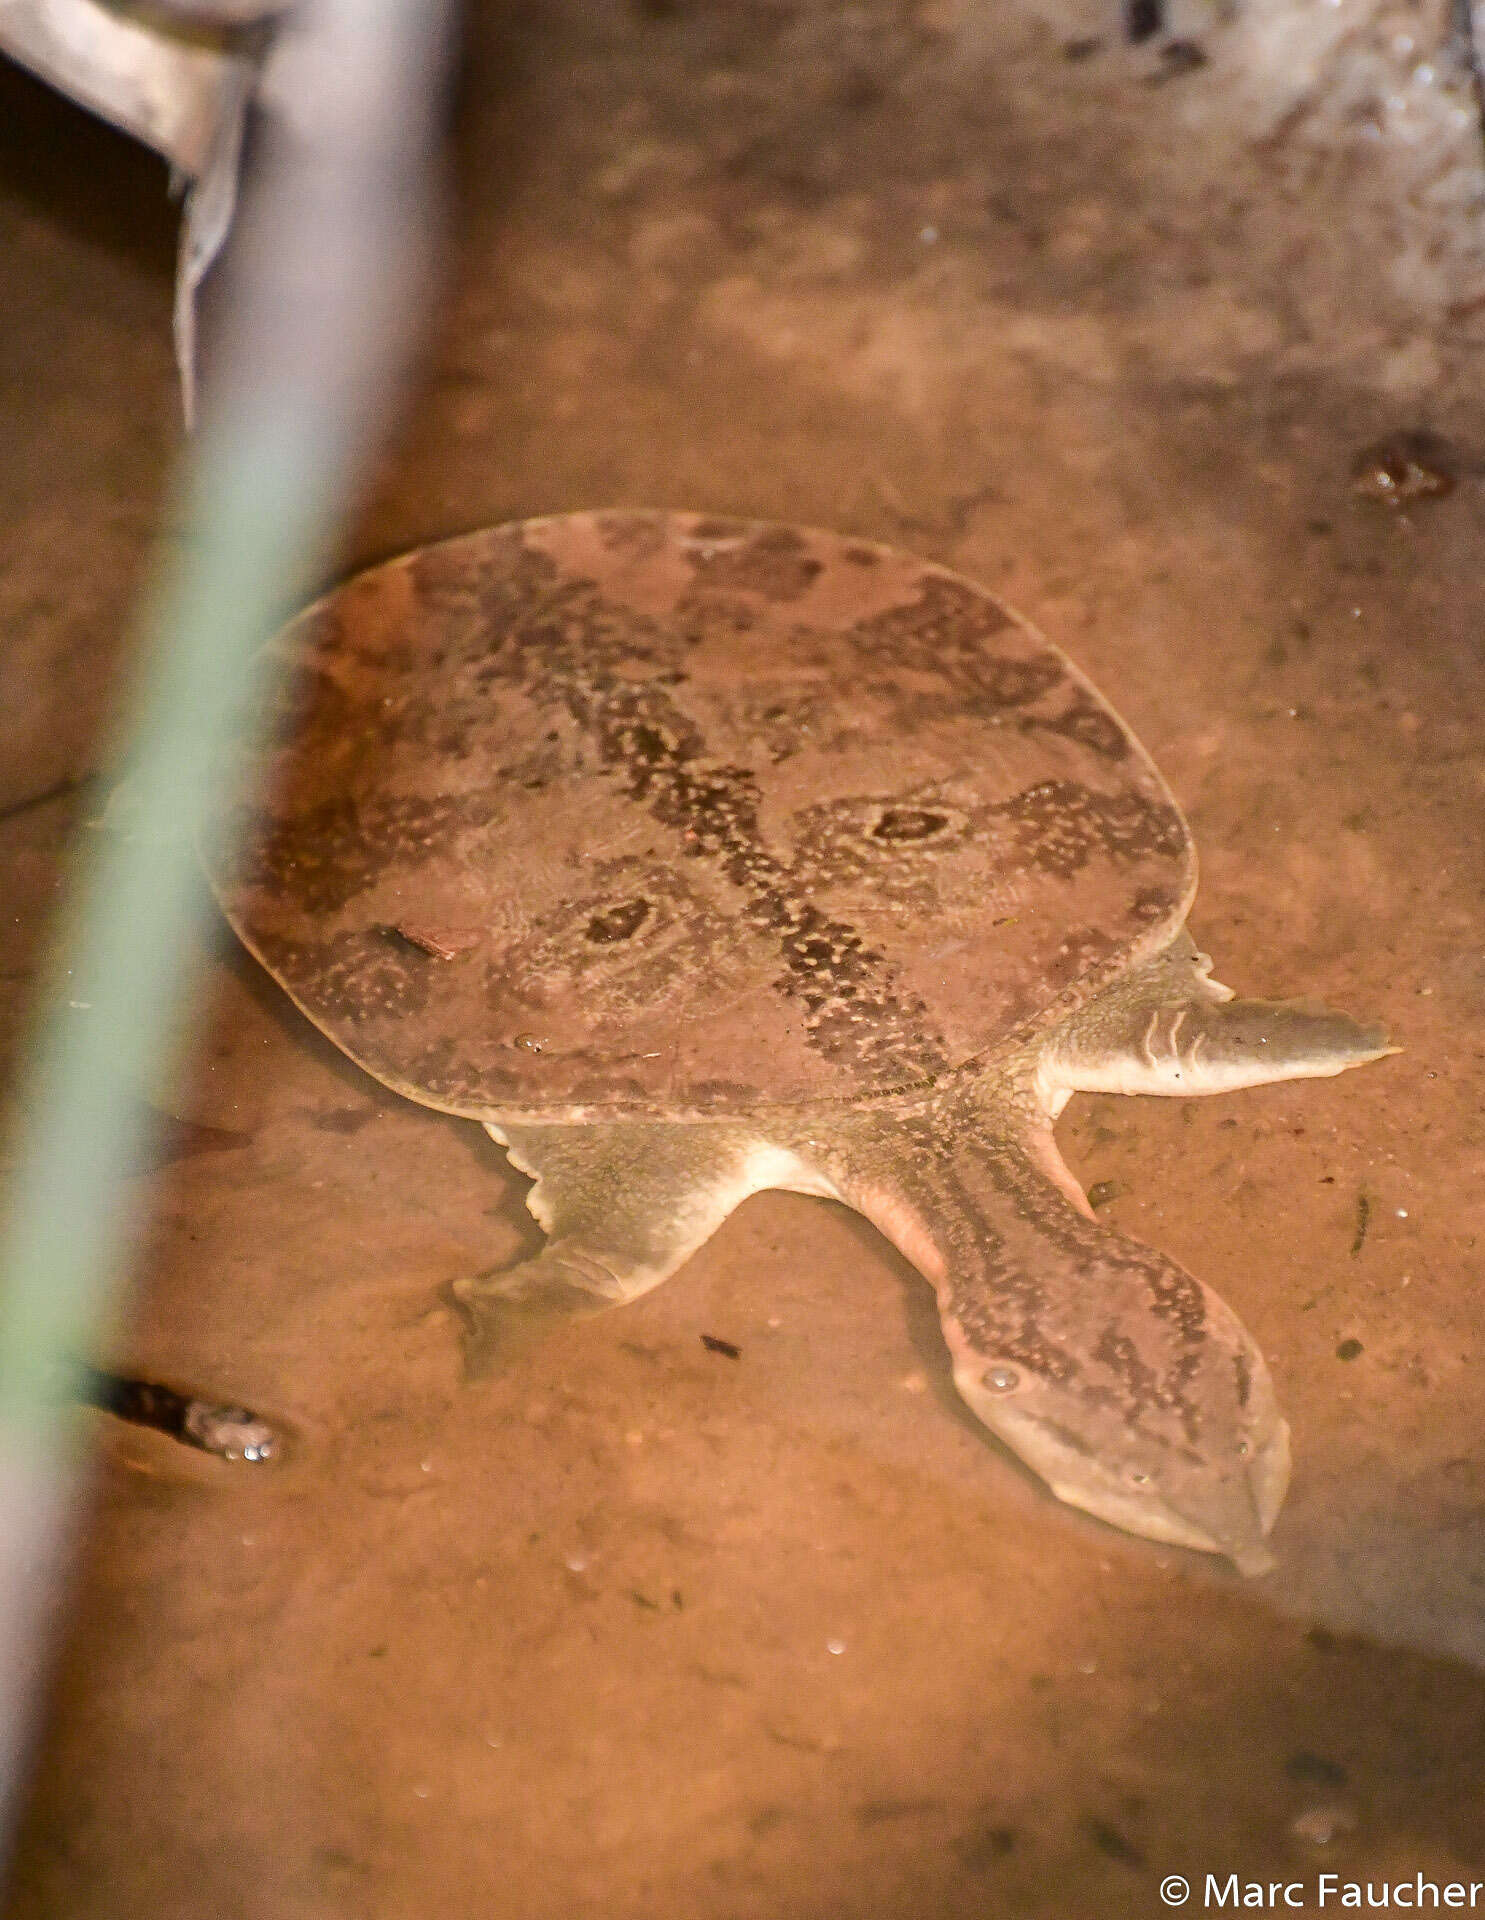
x: 1144, y: 1401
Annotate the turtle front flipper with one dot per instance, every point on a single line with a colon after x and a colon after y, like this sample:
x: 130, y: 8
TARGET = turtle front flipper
x: 1167, y: 1027
x: 624, y: 1206
x: 1125, y: 1383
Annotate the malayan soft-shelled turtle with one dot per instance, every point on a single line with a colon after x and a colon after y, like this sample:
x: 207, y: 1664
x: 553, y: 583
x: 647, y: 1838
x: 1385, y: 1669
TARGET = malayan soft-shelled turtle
x: 694, y: 856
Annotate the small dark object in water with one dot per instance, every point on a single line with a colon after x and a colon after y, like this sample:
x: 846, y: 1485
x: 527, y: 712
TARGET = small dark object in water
x: 1363, y: 1221
x: 1349, y: 1349
x: 1143, y: 19
x: 342, y: 1119
x: 1109, y: 1840
x: 714, y: 1345
x: 1403, y: 469
x: 1178, y: 57
x: 168, y: 1138
x: 233, y: 1433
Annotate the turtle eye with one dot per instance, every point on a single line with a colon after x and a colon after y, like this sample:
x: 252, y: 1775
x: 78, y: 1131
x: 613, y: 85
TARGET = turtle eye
x: 618, y: 923
x: 1000, y: 1379
x: 897, y: 824
x: 1139, y: 1479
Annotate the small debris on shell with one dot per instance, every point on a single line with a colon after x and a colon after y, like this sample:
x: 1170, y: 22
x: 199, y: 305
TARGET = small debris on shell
x: 1403, y: 469
x: 714, y: 1345
x: 443, y: 943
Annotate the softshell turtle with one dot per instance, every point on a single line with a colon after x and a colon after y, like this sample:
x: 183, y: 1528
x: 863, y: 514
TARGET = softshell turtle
x: 693, y: 857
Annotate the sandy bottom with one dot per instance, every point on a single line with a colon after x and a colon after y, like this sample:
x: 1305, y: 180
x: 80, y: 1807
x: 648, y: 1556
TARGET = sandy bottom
x: 640, y: 1628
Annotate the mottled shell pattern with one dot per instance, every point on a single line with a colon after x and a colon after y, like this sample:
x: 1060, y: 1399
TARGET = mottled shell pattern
x: 652, y: 815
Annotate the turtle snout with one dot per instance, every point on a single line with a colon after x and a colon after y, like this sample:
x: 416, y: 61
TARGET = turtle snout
x: 1268, y: 1475
x: 1236, y: 1509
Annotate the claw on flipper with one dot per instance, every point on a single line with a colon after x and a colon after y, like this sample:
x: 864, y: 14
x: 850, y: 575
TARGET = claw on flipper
x: 506, y: 1314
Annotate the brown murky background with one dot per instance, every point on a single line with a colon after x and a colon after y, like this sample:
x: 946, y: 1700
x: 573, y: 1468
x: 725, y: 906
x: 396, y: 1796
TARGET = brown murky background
x: 639, y: 1628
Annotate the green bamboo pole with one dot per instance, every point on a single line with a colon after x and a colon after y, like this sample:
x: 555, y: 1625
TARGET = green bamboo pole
x: 324, y: 278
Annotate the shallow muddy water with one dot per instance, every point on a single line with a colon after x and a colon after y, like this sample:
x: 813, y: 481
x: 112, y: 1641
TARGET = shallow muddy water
x: 642, y: 1625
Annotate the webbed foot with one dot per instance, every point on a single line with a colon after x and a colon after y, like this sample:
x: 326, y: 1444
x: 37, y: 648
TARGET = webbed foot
x: 509, y: 1311
x: 624, y: 1204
